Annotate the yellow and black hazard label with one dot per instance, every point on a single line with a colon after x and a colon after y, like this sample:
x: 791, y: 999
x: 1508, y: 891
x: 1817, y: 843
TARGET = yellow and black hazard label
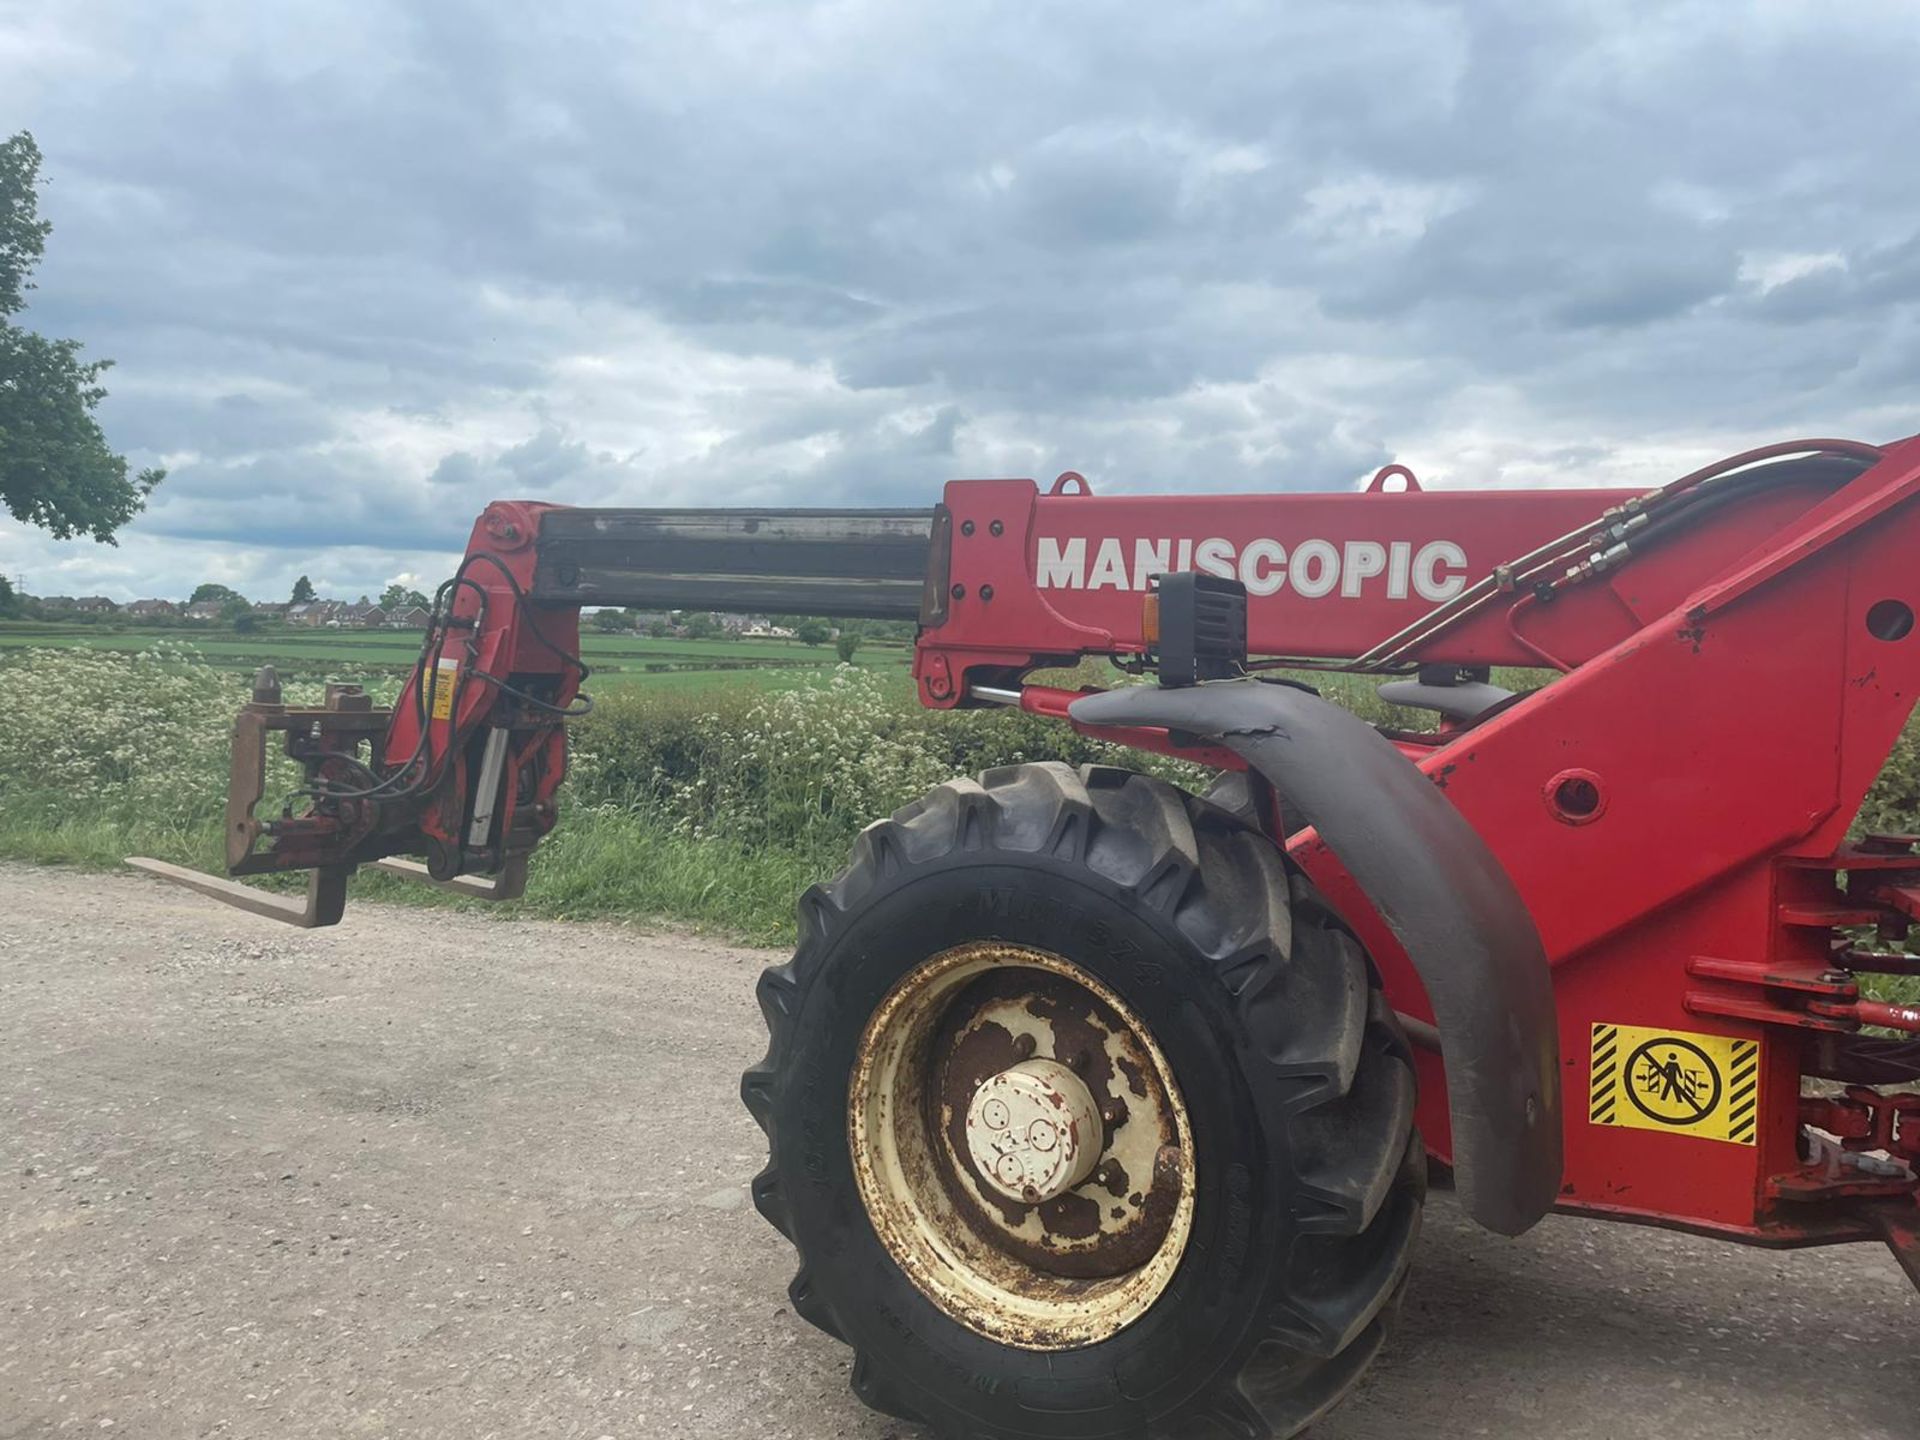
x: 437, y: 686
x: 1675, y: 1080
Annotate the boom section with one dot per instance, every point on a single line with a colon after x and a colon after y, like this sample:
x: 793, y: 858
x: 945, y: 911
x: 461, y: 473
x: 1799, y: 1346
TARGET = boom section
x: 1032, y: 577
x: 869, y: 563
x: 1003, y: 576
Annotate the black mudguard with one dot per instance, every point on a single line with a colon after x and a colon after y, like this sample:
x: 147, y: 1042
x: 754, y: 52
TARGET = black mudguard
x: 1442, y: 893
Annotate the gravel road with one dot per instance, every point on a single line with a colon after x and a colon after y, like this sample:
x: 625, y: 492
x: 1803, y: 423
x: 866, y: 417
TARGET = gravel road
x: 435, y: 1174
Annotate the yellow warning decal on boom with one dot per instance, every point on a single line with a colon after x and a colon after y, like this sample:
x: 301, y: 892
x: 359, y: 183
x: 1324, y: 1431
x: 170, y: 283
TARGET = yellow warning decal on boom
x: 1679, y: 1081
x: 437, y: 686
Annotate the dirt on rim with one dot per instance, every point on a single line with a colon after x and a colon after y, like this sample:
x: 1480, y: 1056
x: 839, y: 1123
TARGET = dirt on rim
x: 436, y: 1174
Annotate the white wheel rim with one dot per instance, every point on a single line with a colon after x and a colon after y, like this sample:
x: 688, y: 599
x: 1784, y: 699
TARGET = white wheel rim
x: 1032, y: 1276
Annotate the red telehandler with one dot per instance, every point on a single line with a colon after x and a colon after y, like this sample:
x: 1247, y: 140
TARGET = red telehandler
x: 1100, y: 1109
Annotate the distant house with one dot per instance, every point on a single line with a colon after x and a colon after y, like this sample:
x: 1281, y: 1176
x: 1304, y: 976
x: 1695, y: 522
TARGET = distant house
x: 271, y: 609
x: 205, y: 610
x: 56, y: 602
x: 95, y: 605
x: 152, y: 609
x: 361, y: 615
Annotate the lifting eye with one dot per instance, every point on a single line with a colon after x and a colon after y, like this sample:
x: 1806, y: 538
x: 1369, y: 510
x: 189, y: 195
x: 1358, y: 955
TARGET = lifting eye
x: 1890, y: 620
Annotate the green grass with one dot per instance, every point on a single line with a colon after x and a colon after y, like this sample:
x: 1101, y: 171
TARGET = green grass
x: 618, y: 661
x: 1895, y: 989
x: 599, y: 865
x: 708, y: 796
x: 704, y: 795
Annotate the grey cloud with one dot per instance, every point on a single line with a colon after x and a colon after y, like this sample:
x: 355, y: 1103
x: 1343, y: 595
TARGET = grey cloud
x: 1087, y: 192
x: 1642, y: 293
x: 459, y: 469
x: 152, y: 418
x: 747, y: 302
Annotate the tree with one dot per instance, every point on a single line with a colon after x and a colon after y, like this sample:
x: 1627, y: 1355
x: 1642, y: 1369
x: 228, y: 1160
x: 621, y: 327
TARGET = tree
x: 302, y: 592
x: 813, y: 631
x: 56, y: 470
x: 659, y: 629
x: 211, y: 591
x: 609, y: 621
x: 701, y: 625
x: 10, y: 606
x: 845, y: 646
x: 398, y: 597
x: 246, y: 622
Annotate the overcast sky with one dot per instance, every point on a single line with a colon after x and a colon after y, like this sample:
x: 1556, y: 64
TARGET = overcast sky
x: 366, y: 266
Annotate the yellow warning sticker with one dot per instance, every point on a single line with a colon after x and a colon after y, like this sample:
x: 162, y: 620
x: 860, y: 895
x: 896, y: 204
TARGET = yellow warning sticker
x: 437, y: 686
x: 1675, y: 1080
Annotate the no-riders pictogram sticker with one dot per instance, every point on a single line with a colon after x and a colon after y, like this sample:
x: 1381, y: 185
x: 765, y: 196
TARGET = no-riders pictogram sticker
x: 1677, y: 1081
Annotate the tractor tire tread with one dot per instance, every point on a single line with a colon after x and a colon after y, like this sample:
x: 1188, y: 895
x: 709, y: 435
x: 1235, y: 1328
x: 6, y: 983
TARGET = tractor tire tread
x: 1329, y: 1051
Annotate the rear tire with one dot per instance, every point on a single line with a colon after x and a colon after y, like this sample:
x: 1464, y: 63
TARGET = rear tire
x: 1302, y: 1178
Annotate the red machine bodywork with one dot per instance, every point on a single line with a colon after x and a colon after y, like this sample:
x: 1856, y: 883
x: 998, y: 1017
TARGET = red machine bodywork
x: 1728, y: 696
x: 497, y: 636
x: 1724, y: 694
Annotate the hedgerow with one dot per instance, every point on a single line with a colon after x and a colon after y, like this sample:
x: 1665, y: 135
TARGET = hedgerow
x: 713, y: 806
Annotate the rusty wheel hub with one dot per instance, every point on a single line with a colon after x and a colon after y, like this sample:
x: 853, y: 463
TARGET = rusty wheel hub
x: 1033, y: 1132
x: 1021, y: 1147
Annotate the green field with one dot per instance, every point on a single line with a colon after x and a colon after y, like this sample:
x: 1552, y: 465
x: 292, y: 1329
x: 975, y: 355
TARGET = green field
x: 618, y: 661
